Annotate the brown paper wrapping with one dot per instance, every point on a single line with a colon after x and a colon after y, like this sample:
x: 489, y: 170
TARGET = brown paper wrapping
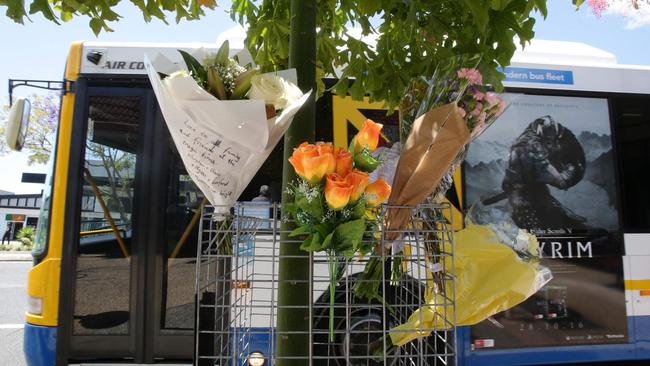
x: 431, y: 148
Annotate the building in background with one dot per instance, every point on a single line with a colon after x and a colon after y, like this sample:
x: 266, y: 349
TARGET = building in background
x: 18, y: 211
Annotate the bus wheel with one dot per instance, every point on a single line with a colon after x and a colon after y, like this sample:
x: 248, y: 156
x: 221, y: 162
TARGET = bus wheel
x: 360, y: 325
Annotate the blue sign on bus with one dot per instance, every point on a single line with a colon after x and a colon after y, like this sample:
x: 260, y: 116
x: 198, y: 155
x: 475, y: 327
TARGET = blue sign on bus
x: 544, y: 76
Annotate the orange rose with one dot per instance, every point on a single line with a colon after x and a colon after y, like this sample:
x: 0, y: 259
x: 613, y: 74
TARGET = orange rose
x: 368, y: 136
x: 343, y: 161
x: 325, y: 148
x: 377, y: 192
x: 310, y: 164
x: 359, y: 181
x: 337, y: 191
x: 299, y: 154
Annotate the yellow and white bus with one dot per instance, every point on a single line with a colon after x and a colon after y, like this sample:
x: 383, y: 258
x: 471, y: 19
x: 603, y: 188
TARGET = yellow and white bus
x: 119, y: 202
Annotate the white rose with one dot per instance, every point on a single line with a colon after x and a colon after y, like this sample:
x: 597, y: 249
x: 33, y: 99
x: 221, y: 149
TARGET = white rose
x: 273, y: 90
x: 293, y: 92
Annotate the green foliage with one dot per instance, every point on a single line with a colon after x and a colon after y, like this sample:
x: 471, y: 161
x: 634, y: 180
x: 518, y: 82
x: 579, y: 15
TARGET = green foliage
x: 413, y: 38
x: 26, y: 236
x: 101, y: 12
x: 220, y: 75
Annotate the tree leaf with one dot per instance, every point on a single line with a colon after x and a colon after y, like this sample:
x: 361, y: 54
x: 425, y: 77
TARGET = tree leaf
x: 499, y: 4
x: 479, y: 10
x: 43, y: 6
x: 96, y: 25
x: 541, y: 6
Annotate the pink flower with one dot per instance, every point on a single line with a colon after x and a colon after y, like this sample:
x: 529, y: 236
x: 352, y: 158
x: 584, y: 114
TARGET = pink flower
x: 492, y: 99
x: 478, y: 95
x: 477, y: 110
x: 597, y: 7
x: 472, y: 75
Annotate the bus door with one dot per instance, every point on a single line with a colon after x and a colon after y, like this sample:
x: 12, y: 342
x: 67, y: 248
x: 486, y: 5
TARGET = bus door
x: 129, y: 236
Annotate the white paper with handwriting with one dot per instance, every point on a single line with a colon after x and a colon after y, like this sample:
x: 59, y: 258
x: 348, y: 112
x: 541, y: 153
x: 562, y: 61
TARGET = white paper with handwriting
x: 222, y: 143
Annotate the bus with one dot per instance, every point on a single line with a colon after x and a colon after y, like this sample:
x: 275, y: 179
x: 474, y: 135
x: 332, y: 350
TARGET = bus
x: 114, y: 256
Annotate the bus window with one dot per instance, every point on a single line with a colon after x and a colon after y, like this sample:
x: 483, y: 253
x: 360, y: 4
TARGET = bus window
x: 102, y: 289
x: 180, y: 237
x: 44, y: 216
x: 632, y: 128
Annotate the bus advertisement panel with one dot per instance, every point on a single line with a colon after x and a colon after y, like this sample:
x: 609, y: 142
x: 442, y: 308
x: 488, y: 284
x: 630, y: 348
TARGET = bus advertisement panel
x: 547, y: 166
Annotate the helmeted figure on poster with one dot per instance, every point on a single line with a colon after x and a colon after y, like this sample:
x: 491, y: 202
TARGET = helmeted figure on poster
x: 546, y: 153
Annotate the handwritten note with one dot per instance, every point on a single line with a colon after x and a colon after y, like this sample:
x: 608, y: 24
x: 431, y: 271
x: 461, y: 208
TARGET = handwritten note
x: 210, y: 159
x: 222, y: 143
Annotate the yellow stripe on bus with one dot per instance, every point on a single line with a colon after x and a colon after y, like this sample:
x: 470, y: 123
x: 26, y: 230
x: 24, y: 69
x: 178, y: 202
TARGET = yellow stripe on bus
x: 44, y: 279
x: 637, y: 284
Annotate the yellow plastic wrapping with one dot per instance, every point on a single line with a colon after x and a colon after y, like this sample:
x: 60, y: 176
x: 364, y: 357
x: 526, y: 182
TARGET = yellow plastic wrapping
x: 490, y: 278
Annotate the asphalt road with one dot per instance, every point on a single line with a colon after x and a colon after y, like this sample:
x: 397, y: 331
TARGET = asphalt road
x: 13, y: 301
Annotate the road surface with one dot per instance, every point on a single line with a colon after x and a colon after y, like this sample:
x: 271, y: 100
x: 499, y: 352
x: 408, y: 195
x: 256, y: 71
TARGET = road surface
x: 13, y: 301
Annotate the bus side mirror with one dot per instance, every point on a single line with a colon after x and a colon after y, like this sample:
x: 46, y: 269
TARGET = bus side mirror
x: 16, y: 127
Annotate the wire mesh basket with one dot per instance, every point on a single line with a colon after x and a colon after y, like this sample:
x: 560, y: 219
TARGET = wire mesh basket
x: 237, y: 294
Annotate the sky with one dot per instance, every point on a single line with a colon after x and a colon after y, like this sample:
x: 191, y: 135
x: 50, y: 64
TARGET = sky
x: 38, y: 49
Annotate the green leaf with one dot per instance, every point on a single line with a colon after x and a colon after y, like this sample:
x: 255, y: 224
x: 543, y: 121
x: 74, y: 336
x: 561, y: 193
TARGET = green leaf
x: 66, y: 16
x: 301, y: 230
x: 578, y: 3
x: 479, y: 10
x: 154, y: 9
x: 366, y: 162
x: 243, y: 83
x: 313, y: 207
x: 324, y: 229
x: 96, y: 25
x: 181, y: 13
x: 499, y: 4
x: 197, y: 71
x: 327, y: 243
x: 541, y: 6
x: 222, y: 54
x: 143, y: 8
x: 359, y: 210
x: 348, y: 236
x: 215, y: 85
x: 43, y: 6
x: 312, y: 243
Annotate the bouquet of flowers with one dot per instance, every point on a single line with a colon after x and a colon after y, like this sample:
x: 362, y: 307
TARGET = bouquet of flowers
x: 447, y: 116
x: 333, y: 199
x: 443, y: 118
x: 224, y: 118
x: 453, y: 113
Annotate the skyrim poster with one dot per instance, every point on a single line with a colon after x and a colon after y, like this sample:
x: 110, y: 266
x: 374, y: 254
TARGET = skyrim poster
x: 547, y: 165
